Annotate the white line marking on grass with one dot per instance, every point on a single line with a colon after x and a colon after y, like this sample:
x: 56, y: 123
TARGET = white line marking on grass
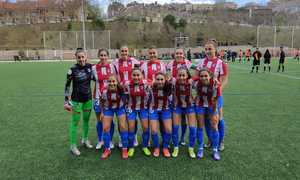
x: 43, y: 61
x: 277, y: 74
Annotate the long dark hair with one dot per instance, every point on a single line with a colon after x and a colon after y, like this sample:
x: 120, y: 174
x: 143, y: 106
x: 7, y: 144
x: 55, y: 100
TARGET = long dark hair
x: 167, y: 89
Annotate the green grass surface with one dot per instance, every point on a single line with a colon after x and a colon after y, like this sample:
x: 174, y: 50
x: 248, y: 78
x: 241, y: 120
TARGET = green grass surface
x: 262, y: 139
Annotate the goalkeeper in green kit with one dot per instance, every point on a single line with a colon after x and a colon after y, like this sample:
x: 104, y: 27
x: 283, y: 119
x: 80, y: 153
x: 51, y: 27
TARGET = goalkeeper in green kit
x: 80, y: 100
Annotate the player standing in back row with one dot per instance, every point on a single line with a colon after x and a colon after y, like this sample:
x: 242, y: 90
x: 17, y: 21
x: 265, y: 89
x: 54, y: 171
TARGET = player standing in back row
x: 80, y: 100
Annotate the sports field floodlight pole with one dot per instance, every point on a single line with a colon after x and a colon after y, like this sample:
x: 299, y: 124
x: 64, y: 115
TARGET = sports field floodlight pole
x: 60, y: 46
x: 275, y: 37
x: 257, y: 36
x: 293, y: 33
x: 109, y: 41
x: 44, y: 44
x: 83, y: 24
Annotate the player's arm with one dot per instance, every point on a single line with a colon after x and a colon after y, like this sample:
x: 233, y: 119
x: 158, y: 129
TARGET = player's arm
x: 216, y: 94
x: 67, y: 103
x: 151, y: 100
x: 224, y: 75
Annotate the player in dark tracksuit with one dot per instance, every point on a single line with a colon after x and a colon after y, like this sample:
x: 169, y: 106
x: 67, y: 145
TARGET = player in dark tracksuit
x: 267, y: 60
x: 281, y: 60
x: 256, y: 61
x: 80, y: 100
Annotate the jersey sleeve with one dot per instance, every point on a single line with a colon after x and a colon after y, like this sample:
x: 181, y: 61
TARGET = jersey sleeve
x: 169, y: 66
x: 199, y: 64
x: 163, y: 68
x: 224, y: 69
x: 115, y: 64
x: 188, y: 64
x: 135, y: 62
x: 68, y: 85
x: 126, y: 87
x: 143, y: 69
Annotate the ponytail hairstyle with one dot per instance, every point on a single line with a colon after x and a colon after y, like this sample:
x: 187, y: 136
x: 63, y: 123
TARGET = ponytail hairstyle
x: 79, y: 50
x: 211, y: 75
x: 101, y: 50
x: 214, y: 43
x: 184, y: 68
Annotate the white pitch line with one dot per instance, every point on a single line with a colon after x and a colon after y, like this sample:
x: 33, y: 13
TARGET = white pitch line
x: 44, y: 61
x: 277, y: 74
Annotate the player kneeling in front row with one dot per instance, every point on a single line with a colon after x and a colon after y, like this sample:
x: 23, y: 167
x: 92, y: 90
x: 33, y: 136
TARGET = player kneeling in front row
x: 159, y: 110
x: 138, y: 92
x: 208, y: 92
x: 113, y: 105
x: 183, y: 104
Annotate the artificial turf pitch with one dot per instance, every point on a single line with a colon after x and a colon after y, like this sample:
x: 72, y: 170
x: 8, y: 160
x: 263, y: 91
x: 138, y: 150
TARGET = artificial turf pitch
x: 262, y: 114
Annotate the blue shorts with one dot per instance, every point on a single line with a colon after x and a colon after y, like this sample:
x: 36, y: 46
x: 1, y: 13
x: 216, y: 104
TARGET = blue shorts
x: 220, y: 102
x: 160, y: 115
x: 132, y: 114
x: 96, y: 107
x: 205, y: 110
x: 186, y: 110
x: 111, y: 112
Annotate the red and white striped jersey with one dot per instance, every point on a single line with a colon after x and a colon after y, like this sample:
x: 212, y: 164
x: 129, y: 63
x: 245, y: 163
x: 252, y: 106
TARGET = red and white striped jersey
x: 206, y: 94
x: 216, y: 66
x: 182, y: 93
x: 174, y: 65
x: 112, y: 99
x: 124, y: 68
x: 101, y: 72
x: 150, y: 68
x: 138, y: 94
x: 159, y: 98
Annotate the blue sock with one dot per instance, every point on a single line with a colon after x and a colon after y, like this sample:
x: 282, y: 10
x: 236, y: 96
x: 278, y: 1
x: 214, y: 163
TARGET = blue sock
x: 112, y: 129
x: 155, y: 140
x: 167, y: 138
x: 200, y: 138
x: 215, y: 139
x: 175, y: 135
x: 192, y: 136
x: 99, y: 128
x: 106, y: 139
x: 221, y: 128
x: 183, y: 127
x: 124, y: 139
x: 207, y: 128
x: 161, y: 129
x: 146, y: 137
x: 130, y: 139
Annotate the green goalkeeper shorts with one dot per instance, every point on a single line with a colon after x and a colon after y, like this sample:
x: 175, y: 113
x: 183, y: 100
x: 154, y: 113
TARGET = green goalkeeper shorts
x: 79, y: 107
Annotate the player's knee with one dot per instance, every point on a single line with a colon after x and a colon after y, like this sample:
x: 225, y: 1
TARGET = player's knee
x: 153, y: 131
x: 123, y: 127
x: 106, y: 128
x: 168, y: 129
